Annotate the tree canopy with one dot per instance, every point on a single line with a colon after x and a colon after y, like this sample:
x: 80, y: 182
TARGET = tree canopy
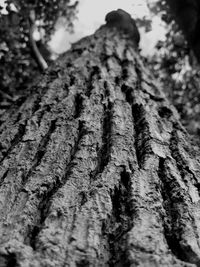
x: 175, y: 63
x: 18, y: 66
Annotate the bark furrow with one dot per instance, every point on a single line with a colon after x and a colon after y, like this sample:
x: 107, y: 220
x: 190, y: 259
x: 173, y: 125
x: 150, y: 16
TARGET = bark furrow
x: 95, y: 168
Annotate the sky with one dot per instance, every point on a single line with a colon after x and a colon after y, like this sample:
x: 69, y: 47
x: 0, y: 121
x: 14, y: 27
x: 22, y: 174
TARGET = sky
x: 90, y: 17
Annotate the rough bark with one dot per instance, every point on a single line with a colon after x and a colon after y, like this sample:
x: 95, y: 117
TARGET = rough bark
x: 96, y: 169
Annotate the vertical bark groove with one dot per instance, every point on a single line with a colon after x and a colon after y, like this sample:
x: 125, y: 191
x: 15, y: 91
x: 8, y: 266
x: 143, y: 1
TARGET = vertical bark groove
x: 94, y: 75
x: 106, y: 137
x: 143, y: 137
x: 40, y: 151
x: 45, y: 202
x: 181, y: 163
x: 15, y: 141
x: 170, y: 213
x: 78, y: 105
x: 95, y: 170
x: 121, y: 220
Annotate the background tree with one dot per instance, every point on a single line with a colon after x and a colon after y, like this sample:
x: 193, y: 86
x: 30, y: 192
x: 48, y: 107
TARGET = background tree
x: 96, y: 169
x: 187, y: 15
x: 174, y: 63
x: 18, y: 58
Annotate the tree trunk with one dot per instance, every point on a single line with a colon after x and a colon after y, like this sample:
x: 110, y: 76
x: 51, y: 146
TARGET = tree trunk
x: 96, y: 169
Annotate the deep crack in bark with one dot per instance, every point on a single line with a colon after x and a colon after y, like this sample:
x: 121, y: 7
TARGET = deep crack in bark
x: 94, y: 74
x: 78, y: 105
x: 142, y: 134
x: 175, y: 205
x: 103, y: 153
x: 45, y: 202
x: 40, y: 151
x: 180, y: 162
x: 170, y: 212
x: 121, y: 221
x: 16, y: 140
x: 8, y: 260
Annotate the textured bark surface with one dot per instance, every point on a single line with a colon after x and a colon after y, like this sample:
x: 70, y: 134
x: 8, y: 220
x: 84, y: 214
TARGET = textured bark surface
x: 96, y: 169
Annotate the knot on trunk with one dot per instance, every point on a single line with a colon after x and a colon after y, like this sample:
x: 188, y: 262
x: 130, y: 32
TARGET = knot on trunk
x: 124, y: 22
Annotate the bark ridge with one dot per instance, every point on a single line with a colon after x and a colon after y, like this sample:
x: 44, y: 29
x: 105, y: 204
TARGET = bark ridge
x: 96, y: 169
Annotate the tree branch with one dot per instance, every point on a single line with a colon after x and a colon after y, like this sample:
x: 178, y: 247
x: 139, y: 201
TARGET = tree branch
x: 37, y: 55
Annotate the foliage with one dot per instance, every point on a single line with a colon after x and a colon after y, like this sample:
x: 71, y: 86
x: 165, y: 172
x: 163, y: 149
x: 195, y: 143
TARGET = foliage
x: 17, y: 64
x: 174, y: 64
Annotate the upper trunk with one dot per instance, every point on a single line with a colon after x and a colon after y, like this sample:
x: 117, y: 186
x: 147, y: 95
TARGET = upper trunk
x: 96, y: 169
